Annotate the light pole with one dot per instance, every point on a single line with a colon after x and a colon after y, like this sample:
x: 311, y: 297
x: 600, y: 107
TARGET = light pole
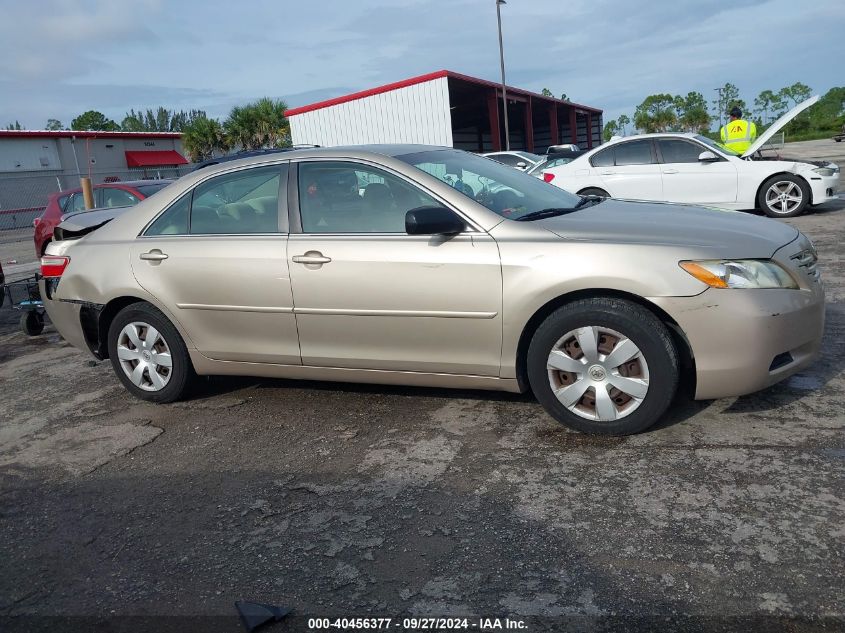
x: 499, y: 4
x: 719, y: 106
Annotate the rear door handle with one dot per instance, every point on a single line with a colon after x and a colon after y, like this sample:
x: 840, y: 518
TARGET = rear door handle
x: 154, y: 255
x: 311, y: 257
x: 670, y: 171
x: 606, y: 173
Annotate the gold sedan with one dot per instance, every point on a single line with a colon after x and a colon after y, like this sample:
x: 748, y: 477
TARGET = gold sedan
x: 429, y: 266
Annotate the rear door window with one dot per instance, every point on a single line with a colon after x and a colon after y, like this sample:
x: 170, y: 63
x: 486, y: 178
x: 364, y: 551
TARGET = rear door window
x: 238, y: 203
x: 633, y: 153
x: 245, y: 201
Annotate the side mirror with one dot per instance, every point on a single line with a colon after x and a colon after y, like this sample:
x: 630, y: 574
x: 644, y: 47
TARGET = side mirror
x: 433, y: 221
x: 707, y: 157
x: 521, y: 165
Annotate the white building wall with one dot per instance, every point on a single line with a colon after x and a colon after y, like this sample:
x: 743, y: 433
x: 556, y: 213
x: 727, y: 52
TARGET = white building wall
x: 413, y: 114
x: 29, y: 155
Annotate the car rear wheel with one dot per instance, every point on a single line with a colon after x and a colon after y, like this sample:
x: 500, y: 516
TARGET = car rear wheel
x: 594, y: 191
x: 784, y: 196
x: 148, y: 354
x: 603, y: 365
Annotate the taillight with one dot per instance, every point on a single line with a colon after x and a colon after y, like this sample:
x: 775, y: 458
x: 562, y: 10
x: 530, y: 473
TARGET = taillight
x: 52, y: 266
x: 548, y: 177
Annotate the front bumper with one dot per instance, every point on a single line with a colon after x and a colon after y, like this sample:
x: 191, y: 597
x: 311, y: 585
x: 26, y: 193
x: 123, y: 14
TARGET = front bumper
x: 824, y: 188
x: 746, y: 340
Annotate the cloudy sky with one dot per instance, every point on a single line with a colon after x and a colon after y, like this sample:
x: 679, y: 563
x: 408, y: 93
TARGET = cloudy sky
x: 61, y: 57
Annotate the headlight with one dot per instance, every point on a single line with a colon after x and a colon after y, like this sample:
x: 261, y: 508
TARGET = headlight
x: 740, y: 273
x: 825, y: 171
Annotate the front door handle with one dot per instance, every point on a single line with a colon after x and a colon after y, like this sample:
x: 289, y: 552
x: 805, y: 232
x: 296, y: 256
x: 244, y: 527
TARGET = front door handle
x: 311, y: 257
x: 154, y: 255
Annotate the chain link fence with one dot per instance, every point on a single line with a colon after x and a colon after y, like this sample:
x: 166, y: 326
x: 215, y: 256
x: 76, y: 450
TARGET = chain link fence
x: 24, y: 196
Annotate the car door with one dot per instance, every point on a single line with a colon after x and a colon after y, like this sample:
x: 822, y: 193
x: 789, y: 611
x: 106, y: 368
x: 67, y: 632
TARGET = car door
x: 370, y: 296
x: 217, y: 259
x: 629, y: 170
x: 687, y: 179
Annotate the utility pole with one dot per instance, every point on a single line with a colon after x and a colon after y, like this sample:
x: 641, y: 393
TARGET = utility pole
x: 499, y: 4
x: 719, y: 106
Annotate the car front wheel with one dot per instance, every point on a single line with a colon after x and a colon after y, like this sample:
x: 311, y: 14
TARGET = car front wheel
x: 148, y: 354
x: 784, y: 196
x: 603, y: 365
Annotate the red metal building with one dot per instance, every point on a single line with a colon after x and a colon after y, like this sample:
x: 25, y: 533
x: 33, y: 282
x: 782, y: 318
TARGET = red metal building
x: 447, y: 108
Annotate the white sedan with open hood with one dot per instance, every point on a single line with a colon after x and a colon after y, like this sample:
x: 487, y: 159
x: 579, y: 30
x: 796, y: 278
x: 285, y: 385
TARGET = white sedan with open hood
x: 689, y: 168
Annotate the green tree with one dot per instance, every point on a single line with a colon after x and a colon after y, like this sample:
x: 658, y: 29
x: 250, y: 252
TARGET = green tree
x: 623, y: 121
x: 656, y: 113
x: 54, y: 124
x: 611, y: 129
x: 202, y: 137
x: 258, y: 124
x: 767, y: 101
x: 93, y: 120
x: 795, y: 94
x: 792, y: 96
x: 548, y: 93
x: 159, y: 120
x: 14, y: 126
x: 692, y: 112
x: 241, y: 128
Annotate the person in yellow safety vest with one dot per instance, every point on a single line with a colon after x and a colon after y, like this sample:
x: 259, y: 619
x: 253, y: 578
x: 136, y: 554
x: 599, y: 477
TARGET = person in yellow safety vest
x: 738, y: 134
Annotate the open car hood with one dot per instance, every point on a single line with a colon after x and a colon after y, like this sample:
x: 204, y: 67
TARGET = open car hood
x: 777, y: 125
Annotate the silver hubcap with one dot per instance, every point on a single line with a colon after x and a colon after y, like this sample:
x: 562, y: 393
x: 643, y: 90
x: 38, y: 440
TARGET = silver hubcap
x: 144, y: 356
x: 598, y: 373
x: 784, y: 196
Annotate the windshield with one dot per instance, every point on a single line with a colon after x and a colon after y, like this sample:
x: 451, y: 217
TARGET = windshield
x: 715, y: 145
x: 502, y: 189
x: 532, y: 157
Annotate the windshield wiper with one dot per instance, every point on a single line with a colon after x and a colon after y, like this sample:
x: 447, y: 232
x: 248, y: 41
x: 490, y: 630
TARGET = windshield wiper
x: 555, y: 211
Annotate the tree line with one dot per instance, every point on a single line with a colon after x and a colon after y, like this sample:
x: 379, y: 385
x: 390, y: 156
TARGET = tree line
x: 256, y: 125
x: 690, y: 113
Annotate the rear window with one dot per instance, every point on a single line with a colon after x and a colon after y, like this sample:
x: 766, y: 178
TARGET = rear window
x: 603, y: 158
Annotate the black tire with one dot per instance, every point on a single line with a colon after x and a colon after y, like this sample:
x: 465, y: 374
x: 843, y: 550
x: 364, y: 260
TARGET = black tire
x: 32, y: 323
x: 594, y: 191
x: 181, y: 375
x: 635, y: 322
x: 770, y: 210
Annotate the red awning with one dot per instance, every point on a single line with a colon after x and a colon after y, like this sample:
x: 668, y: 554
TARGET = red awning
x: 154, y: 158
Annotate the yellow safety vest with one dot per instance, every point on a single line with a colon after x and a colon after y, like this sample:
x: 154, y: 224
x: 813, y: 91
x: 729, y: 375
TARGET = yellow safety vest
x: 738, y: 135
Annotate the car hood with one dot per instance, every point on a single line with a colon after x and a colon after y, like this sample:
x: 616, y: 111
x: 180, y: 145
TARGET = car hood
x: 728, y: 234
x: 777, y: 125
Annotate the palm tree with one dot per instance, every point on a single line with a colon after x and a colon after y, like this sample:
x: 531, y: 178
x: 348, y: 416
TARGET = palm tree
x: 241, y: 128
x: 202, y: 137
x: 273, y: 129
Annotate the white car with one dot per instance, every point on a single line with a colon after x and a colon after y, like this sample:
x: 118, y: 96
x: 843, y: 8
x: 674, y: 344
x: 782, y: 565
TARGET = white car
x: 689, y: 168
x: 517, y: 159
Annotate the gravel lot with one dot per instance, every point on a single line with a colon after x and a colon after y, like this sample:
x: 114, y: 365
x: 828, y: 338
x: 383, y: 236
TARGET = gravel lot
x: 350, y: 500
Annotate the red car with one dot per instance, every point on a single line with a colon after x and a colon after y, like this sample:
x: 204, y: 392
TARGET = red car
x: 112, y: 194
